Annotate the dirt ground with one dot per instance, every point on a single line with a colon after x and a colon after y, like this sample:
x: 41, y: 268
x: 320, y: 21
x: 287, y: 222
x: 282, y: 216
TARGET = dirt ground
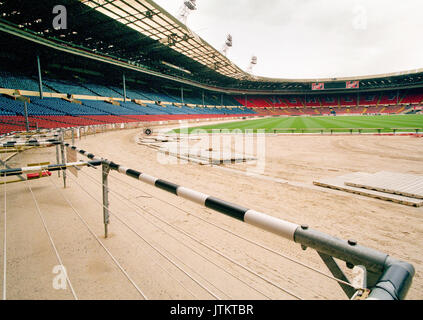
x: 164, y: 247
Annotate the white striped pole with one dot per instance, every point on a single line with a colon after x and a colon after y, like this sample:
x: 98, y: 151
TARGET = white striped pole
x: 50, y: 167
x: 258, y: 219
x: 31, y: 143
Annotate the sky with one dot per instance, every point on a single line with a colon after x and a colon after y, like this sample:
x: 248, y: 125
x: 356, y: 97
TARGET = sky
x: 313, y: 38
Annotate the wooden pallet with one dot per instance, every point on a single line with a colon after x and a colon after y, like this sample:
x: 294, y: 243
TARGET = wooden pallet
x: 338, y: 183
x: 408, y: 185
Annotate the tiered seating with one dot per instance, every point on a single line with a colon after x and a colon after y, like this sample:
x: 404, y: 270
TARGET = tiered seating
x: 344, y: 110
x: 375, y: 109
x: 394, y: 109
x: 102, y: 91
x: 308, y: 111
x: 328, y: 104
x: 329, y: 101
x: 55, y: 112
x: 389, y: 98
x: 20, y: 82
x: 413, y: 98
x: 369, y: 99
x: 9, y: 123
x: 261, y: 103
x: 312, y: 101
x: 348, y: 100
x: 323, y: 110
x: 62, y: 86
x: 294, y: 102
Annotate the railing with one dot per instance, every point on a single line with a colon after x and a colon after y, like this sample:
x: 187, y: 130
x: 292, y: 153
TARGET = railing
x: 342, y: 130
x: 385, y: 278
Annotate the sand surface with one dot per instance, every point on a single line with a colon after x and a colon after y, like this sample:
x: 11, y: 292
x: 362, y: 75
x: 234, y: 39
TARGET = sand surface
x: 164, y: 247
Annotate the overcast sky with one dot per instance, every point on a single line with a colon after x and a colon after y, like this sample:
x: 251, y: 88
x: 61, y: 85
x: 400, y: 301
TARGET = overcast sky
x: 313, y: 38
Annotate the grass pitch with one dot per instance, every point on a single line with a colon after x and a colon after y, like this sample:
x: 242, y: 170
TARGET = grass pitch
x: 386, y: 123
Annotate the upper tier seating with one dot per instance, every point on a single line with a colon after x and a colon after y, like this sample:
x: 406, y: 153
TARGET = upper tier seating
x: 369, y: 99
x: 67, y: 87
x: 312, y: 101
x: 20, y: 82
x: 413, y: 98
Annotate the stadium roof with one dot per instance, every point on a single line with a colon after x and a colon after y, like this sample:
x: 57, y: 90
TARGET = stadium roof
x: 140, y: 35
x: 154, y: 22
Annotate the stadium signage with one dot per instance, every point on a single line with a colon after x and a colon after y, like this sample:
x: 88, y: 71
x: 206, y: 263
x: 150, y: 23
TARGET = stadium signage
x: 318, y: 86
x: 352, y: 85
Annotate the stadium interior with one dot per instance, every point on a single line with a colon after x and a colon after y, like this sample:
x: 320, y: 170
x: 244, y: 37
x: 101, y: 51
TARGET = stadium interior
x: 77, y: 90
x: 129, y: 62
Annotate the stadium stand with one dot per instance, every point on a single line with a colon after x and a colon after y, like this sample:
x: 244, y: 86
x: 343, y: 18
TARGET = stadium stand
x: 17, y: 81
x: 98, y: 103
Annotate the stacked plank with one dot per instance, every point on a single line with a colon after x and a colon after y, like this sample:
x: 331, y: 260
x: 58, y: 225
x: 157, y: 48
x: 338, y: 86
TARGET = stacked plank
x: 401, y: 188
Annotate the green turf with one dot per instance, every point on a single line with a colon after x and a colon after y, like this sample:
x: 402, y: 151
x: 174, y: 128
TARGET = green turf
x: 307, y: 124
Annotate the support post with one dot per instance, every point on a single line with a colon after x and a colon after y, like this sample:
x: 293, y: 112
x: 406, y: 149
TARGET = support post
x: 57, y: 159
x: 203, y: 100
x: 26, y: 117
x: 105, y: 174
x: 62, y: 151
x: 124, y: 88
x: 40, y: 82
x: 73, y: 136
x: 182, y: 95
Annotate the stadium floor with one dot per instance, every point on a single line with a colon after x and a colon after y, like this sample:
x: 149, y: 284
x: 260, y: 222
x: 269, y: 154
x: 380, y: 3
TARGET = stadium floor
x: 391, y: 228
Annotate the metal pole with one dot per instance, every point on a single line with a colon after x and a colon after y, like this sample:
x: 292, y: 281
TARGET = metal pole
x: 26, y: 117
x: 57, y: 159
x: 105, y: 174
x: 395, y: 281
x: 73, y: 136
x: 124, y: 88
x: 182, y: 95
x: 40, y: 83
x: 62, y: 149
x: 203, y: 100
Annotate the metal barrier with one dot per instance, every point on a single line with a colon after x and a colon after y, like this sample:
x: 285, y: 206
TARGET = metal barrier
x: 385, y: 277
